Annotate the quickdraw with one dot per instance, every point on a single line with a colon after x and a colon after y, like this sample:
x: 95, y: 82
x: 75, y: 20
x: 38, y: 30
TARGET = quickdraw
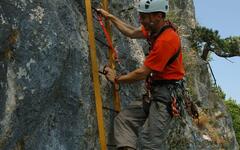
x: 190, y: 107
x: 175, y: 108
x: 184, y: 102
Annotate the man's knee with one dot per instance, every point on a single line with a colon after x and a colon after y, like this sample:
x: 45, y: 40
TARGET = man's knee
x: 117, y: 120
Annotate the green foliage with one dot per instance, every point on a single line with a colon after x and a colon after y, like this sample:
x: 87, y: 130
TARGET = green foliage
x: 234, y: 110
x: 203, y: 38
x: 201, y: 35
x: 232, y: 44
x: 219, y: 92
x: 174, y: 18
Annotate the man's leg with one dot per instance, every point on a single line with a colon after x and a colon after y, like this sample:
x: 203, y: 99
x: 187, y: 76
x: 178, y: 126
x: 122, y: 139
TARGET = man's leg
x: 126, y: 125
x: 156, y: 126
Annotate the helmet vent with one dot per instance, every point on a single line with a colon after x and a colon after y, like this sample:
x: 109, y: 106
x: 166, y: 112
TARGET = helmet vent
x: 166, y: 7
x: 147, y: 4
x: 150, y: 6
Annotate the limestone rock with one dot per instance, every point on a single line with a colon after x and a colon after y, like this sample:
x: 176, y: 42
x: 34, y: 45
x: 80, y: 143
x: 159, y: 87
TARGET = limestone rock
x: 46, y: 90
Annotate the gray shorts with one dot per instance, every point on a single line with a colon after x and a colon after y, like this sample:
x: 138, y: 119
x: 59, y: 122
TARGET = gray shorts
x: 133, y: 128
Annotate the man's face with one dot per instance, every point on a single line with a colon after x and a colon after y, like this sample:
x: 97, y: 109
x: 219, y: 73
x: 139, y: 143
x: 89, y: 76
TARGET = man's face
x: 149, y: 20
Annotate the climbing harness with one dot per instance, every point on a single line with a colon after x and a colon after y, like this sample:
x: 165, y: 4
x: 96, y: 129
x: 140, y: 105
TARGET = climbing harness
x: 183, y: 100
x: 173, y: 107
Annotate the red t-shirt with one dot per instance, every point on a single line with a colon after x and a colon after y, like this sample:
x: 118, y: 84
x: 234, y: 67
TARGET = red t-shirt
x: 165, y: 46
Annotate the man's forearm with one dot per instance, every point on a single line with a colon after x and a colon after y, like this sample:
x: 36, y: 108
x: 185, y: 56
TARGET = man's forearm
x: 138, y: 74
x: 126, y: 29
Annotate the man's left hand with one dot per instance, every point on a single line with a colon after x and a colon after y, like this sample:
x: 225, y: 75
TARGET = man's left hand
x: 110, y: 74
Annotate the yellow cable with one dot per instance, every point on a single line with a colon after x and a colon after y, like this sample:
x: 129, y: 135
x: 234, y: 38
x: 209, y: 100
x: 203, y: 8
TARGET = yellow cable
x: 96, y: 84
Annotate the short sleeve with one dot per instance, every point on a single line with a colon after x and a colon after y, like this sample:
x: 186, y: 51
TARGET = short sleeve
x: 159, y: 56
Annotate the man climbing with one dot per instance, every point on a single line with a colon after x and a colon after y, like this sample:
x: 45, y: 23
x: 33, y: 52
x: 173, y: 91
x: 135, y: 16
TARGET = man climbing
x: 163, y: 71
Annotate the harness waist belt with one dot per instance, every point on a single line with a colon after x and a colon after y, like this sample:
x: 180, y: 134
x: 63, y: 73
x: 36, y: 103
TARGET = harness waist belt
x: 164, y: 82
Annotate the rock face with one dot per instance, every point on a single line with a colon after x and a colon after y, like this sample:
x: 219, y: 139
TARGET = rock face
x: 46, y: 93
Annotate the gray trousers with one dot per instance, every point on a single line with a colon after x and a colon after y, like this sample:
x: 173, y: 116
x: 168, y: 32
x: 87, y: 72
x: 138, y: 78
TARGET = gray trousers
x: 133, y: 127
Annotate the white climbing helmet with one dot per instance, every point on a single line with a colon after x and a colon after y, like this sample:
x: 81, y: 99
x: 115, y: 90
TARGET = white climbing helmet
x: 149, y: 6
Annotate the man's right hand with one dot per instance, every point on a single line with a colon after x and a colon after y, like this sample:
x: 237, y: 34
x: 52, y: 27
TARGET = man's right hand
x: 124, y: 28
x: 104, y: 13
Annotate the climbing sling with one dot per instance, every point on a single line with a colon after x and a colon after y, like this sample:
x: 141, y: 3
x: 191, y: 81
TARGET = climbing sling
x: 112, y: 52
